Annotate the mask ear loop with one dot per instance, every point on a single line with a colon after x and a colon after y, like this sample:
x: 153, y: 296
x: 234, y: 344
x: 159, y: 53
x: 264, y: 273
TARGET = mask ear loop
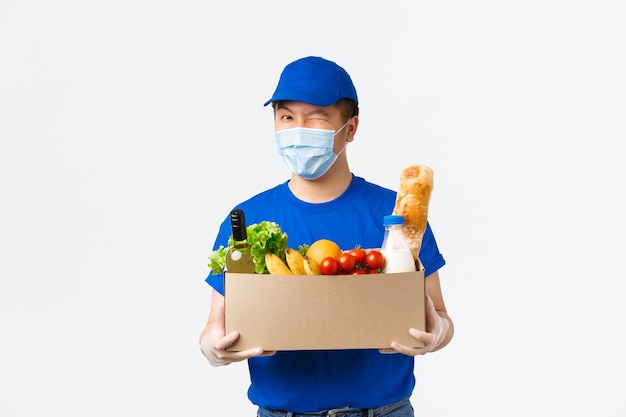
x: 346, y: 143
x: 341, y: 128
x: 342, y: 149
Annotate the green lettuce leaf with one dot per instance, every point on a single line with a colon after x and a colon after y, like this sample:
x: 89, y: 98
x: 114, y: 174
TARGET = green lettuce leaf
x: 262, y: 237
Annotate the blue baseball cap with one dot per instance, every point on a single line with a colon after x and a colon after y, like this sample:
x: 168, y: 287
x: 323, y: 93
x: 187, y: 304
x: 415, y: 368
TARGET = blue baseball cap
x: 314, y: 80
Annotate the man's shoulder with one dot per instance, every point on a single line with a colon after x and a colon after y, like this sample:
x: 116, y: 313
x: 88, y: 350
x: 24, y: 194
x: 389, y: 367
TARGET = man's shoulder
x: 370, y: 187
x: 259, y: 204
x: 268, y: 194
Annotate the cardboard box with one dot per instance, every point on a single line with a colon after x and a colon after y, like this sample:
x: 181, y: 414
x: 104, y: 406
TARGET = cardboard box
x: 293, y: 312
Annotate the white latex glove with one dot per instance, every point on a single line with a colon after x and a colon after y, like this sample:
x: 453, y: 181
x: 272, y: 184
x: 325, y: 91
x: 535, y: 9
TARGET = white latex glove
x: 436, y: 330
x: 214, y: 344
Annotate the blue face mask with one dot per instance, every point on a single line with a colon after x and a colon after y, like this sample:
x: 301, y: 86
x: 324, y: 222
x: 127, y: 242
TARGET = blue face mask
x: 308, y: 152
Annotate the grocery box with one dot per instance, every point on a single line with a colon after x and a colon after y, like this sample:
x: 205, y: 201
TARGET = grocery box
x: 300, y: 312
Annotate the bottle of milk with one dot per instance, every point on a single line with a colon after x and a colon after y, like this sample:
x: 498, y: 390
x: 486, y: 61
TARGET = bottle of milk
x: 395, y: 248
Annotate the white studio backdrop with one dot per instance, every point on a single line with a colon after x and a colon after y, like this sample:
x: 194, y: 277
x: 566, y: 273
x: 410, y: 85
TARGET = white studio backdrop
x: 128, y: 129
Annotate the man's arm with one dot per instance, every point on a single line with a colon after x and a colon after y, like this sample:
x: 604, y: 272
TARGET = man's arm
x: 439, y: 326
x: 433, y: 290
x: 214, y: 341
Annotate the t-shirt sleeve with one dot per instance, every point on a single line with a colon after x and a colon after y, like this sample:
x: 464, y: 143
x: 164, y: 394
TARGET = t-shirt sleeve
x: 217, y: 280
x: 431, y: 258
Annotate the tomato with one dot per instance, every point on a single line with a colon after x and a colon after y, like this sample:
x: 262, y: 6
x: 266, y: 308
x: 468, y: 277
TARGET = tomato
x: 329, y: 266
x: 346, y: 262
x: 359, y: 272
x: 375, y: 259
x: 359, y: 254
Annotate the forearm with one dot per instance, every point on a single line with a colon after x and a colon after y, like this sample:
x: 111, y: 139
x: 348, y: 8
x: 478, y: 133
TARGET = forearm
x: 449, y: 333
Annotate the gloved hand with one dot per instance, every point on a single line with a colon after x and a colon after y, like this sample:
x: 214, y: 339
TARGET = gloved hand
x: 214, y: 344
x: 436, y: 329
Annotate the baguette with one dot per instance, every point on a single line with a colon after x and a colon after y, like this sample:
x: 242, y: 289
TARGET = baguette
x: 412, y: 200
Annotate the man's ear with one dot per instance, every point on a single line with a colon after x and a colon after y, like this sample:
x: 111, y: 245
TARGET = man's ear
x: 351, y: 128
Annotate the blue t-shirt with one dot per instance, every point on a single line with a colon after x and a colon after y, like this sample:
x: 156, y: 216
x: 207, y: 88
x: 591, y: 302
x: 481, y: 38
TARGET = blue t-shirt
x: 310, y: 381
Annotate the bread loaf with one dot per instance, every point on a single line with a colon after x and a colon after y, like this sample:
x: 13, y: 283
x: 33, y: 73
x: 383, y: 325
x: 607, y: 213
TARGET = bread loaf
x: 412, y: 200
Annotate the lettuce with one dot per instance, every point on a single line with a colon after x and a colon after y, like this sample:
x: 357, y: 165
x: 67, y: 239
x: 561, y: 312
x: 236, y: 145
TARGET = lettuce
x: 262, y: 237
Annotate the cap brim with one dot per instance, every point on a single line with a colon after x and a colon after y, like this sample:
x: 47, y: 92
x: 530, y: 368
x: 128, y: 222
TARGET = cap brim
x: 315, y: 98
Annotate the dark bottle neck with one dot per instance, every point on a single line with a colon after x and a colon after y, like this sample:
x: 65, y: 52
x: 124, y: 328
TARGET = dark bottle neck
x: 238, y: 225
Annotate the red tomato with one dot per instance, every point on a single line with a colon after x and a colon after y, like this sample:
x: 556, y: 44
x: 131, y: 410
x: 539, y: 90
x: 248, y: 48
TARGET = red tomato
x: 359, y: 272
x: 329, y: 266
x: 359, y: 254
x: 375, y: 259
x: 346, y: 262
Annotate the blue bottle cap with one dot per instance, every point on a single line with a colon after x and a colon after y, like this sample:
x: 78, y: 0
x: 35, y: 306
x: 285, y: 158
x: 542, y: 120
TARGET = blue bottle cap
x: 392, y: 220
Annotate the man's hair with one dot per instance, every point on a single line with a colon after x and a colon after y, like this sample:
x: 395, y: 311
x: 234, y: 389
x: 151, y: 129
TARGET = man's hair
x: 346, y: 106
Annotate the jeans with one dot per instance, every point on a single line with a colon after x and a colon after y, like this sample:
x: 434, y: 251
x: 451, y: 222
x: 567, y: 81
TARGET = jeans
x: 402, y: 408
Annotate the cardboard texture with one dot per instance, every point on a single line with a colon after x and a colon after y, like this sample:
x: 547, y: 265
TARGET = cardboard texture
x: 295, y: 312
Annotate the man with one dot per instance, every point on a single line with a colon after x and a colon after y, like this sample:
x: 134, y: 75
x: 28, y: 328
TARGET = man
x: 316, y: 107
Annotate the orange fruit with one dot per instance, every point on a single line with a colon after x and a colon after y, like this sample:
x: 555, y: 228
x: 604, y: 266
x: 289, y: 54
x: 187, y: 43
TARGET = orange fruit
x: 323, y: 248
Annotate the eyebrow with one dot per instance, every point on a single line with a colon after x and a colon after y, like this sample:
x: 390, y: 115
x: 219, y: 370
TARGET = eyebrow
x: 317, y: 111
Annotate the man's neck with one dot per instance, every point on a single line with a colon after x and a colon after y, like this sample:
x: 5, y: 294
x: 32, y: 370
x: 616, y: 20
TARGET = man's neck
x: 324, y: 189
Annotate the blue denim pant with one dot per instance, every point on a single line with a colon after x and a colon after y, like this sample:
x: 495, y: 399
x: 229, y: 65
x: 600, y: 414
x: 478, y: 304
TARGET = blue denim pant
x: 402, y: 408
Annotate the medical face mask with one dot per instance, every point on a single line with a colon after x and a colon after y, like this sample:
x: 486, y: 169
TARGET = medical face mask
x: 308, y: 152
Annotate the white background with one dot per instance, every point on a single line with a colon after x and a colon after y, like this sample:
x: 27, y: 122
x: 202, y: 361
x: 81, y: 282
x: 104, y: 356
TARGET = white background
x: 129, y: 128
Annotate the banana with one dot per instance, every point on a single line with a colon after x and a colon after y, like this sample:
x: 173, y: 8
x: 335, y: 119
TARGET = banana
x: 275, y: 265
x: 295, y: 261
x: 311, y: 266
